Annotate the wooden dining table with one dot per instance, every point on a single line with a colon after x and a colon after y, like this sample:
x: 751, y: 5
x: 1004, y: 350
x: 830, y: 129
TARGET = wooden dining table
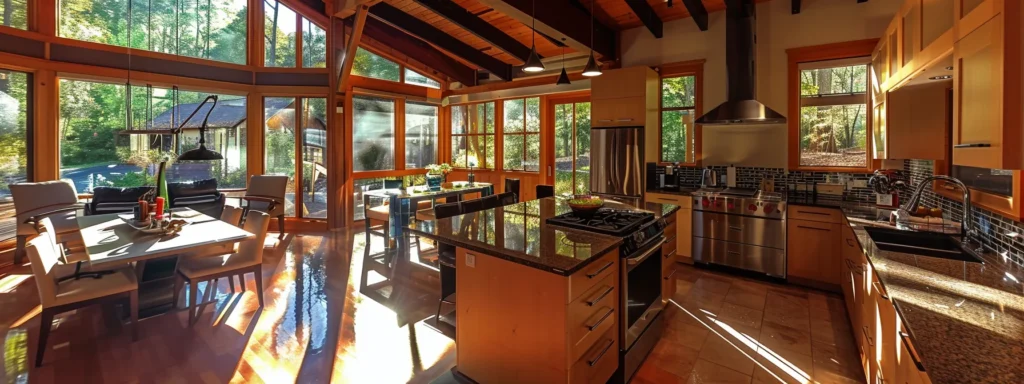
x: 111, y: 242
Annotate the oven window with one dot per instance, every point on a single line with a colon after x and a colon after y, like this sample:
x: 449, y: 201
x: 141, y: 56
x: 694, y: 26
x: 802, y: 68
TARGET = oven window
x: 643, y: 287
x: 994, y: 181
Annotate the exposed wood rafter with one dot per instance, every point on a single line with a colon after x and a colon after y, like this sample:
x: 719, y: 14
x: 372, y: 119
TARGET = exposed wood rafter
x: 420, y: 51
x: 351, y: 45
x: 561, y: 18
x: 344, y: 9
x: 796, y: 6
x: 697, y: 11
x: 647, y: 15
x: 478, y: 27
x: 423, y: 30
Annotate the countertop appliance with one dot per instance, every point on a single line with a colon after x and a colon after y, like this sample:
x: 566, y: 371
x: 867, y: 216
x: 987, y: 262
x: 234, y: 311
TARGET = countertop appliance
x: 740, y: 228
x: 640, y: 321
x: 616, y: 163
x: 709, y: 178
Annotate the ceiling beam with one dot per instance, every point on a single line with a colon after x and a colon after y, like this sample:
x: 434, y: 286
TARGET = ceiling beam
x: 647, y: 15
x: 796, y: 7
x: 423, y: 30
x: 697, y: 12
x: 351, y: 45
x: 862, y: 1
x: 561, y: 19
x: 345, y: 8
x: 420, y: 51
x: 478, y: 27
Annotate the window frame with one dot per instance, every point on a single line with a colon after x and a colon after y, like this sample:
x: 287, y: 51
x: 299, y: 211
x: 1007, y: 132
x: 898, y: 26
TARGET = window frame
x: 836, y: 51
x: 497, y: 106
x: 299, y: 34
x: 525, y: 133
x: 399, y: 138
x: 401, y: 70
x: 299, y: 102
x: 693, y: 68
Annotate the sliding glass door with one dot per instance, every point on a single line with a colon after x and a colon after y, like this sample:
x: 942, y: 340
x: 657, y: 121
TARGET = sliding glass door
x: 15, y: 133
x: 301, y: 153
x: 572, y: 147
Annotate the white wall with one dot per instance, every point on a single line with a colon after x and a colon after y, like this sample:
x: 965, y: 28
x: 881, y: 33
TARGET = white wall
x: 820, y: 22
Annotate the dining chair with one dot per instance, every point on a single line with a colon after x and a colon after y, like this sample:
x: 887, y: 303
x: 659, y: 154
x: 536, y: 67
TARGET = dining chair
x: 490, y: 201
x: 507, y: 198
x: 231, y: 215
x: 470, y: 206
x: 247, y: 258
x: 512, y: 185
x: 446, y: 257
x: 266, y: 193
x: 545, y: 191
x: 59, y: 297
x: 56, y: 199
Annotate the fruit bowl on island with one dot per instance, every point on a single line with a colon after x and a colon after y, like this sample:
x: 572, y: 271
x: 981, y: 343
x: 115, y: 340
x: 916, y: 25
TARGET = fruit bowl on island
x: 585, y: 205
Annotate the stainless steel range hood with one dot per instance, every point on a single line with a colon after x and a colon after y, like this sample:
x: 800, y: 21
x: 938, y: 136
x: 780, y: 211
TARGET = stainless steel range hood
x: 741, y: 108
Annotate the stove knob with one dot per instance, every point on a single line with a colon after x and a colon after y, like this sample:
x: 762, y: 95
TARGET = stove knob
x: 704, y: 202
x: 768, y: 208
x: 731, y: 205
x: 752, y: 207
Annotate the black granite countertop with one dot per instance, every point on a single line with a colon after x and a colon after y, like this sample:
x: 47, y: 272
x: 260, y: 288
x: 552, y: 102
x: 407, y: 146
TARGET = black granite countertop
x: 520, y: 233
x: 965, y: 319
x: 683, y: 191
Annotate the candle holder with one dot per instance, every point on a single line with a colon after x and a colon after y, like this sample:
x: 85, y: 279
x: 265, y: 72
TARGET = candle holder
x: 471, y: 176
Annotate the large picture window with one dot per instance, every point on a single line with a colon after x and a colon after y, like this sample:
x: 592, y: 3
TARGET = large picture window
x: 473, y: 135
x: 281, y: 139
x: 281, y: 30
x: 369, y: 64
x: 678, y: 104
x: 521, y: 135
x: 833, y: 114
x: 15, y: 119
x: 214, y: 30
x: 420, y: 135
x: 373, y: 134
x: 14, y: 13
x: 94, y: 152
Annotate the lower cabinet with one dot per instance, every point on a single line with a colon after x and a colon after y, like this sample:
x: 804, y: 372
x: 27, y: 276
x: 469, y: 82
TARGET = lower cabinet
x: 813, y: 253
x: 682, y: 232
x: 668, y: 258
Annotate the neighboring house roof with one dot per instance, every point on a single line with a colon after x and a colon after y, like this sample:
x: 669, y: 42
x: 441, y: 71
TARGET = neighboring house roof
x: 228, y: 114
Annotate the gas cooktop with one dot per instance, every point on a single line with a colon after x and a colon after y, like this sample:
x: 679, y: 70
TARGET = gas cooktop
x: 606, y: 221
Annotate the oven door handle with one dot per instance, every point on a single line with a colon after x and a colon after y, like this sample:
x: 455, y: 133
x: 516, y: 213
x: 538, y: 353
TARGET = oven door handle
x: 650, y: 251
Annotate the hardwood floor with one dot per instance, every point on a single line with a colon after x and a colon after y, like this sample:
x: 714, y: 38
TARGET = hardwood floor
x: 335, y: 314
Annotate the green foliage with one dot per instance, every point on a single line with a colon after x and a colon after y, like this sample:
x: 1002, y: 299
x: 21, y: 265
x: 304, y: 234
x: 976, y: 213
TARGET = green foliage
x: 678, y: 92
x: 369, y: 64
x: 522, y: 138
x: 13, y: 128
x: 132, y: 179
x: 839, y: 129
x: 14, y: 13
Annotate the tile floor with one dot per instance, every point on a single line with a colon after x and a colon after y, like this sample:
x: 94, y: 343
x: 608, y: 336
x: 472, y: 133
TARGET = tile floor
x: 335, y: 313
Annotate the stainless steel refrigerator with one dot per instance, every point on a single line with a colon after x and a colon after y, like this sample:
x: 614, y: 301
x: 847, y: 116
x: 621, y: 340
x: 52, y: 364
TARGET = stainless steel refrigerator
x: 616, y: 163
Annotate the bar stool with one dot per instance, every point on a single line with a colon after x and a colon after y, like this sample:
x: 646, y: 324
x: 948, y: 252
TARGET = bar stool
x: 545, y: 191
x: 512, y: 185
x: 446, y: 257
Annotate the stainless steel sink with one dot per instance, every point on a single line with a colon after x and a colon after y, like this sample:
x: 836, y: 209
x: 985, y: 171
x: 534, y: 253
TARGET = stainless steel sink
x: 921, y: 243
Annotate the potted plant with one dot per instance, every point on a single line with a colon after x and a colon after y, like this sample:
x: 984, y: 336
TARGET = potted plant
x: 437, y: 176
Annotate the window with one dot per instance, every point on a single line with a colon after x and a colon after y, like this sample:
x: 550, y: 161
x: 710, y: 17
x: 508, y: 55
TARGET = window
x: 280, y: 120
x: 94, y: 154
x: 314, y: 157
x: 15, y: 119
x: 473, y: 135
x: 678, y: 103
x: 314, y: 45
x: 373, y: 134
x: 214, y: 30
x: 521, y: 135
x: 420, y: 135
x: 280, y: 31
x: 833, y: 114
x: 572, y: 147
x: 14, y: 13
x: 415, y: 78
x: 369, y: 64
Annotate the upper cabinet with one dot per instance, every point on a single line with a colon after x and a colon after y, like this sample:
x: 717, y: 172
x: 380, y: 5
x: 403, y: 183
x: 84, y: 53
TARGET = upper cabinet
x: 920, y: 35
x: 627, y: 97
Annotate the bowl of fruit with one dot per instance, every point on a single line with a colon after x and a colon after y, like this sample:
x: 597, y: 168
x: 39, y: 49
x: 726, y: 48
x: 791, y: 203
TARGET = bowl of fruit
x: 585, y: 205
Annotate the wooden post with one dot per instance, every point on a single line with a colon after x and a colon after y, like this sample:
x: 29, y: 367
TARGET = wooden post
x: 350, y: 47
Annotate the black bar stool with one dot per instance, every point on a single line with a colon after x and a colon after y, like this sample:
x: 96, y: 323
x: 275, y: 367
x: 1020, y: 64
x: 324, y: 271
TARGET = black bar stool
x: 512, y: 185
x: 446, y: 257
x: 545, y: 191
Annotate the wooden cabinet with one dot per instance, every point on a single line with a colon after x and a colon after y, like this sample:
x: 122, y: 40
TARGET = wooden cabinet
x: 936, y: 21
x: 628, y: 97
x: 916, y: 124
x: 623, y: 83
x: 619, y: 112
x: 879, y: 133
x: 813, y: 254
x: 920, y: 34
x: 550, y: 328
x: 683, y: 232
x: 968, y: 15
x: 908, y: 367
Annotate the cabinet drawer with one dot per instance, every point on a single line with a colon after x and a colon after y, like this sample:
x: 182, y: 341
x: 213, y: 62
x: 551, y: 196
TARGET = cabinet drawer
x: 623, y: 111
x: 824, y: 215
x: 591, y: 315
x: 597, y: 271
x: 682, y: 201
x: 670, y: 248
x: 599, y: 362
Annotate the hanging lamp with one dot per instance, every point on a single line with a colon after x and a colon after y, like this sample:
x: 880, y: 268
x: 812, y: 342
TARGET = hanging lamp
x: 563, y: 78
x: 593, y: 68
x: 533, y: 63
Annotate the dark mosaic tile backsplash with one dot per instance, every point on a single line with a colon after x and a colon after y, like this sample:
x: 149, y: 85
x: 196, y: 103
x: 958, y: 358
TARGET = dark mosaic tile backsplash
x: 999, y: 233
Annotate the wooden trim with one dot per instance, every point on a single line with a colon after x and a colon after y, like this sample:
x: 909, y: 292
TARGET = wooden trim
x: 351, y: 46
x: 357, y: 81
x: 46, y: 126
x: 842, y: 50
x: 693, y: 68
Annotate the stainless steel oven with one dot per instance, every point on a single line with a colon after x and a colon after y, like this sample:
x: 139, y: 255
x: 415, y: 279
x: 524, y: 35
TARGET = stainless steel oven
x: 641, y: 291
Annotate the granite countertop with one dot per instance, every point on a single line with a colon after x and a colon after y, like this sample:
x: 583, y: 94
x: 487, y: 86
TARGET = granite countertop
x: 520, y: 233
x: 965, y: 319
x: 682, y: 191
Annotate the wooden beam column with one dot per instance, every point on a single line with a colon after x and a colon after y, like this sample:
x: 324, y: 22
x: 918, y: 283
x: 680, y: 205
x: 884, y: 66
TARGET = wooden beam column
x: 478, y: 27
x: 697, y: 12
x: 350, y: 47
x: 562, y: 19
x: 45, y: 126
x: 646, y: 15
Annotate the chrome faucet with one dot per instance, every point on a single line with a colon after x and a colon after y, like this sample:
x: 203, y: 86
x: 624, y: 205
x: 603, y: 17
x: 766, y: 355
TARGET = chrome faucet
x: 968, y: 232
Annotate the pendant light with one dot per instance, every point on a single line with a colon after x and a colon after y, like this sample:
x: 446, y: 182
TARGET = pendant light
x: 563, y: 78
x: 533, y: 63
x: 593, y: 68
x: 201, y: 153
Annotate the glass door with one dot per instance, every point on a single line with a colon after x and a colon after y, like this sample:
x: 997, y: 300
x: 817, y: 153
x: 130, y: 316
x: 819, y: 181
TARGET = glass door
x: 15, y: 120
x: 300, y: 154
x: 572, y: 147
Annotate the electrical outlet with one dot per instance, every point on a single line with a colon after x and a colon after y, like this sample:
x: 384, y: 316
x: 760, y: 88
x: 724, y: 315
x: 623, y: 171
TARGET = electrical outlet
x: 470, y: 260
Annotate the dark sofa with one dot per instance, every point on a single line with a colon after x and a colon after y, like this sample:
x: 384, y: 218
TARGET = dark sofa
x: 114, y: 200
x: 200, y: 195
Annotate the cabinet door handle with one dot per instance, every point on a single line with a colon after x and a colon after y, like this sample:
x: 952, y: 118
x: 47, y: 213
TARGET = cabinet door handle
x: 671, y: 274
x: 913, y: 351
x: 598, y: 272
x: 601, y: 320
x: 670, y: 254
x: 881, y: 292
x: 813, y: 228
x: 604, y: 350
x: 867, y: 337
x: 733, y: 252
x: 737, y: 229
x: 592, y: 302
x: 974, y: 145
x: 814, y: 213
x: 604, y: 120
x: 624, y: 120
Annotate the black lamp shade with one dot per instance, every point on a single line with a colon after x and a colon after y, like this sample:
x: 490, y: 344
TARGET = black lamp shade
x: 563, y: 78
x: 592, y: 69
x: 200, y: 154
x: 533, y: 63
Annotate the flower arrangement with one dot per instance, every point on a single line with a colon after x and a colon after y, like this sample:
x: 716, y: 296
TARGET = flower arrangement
x: 442, y: 169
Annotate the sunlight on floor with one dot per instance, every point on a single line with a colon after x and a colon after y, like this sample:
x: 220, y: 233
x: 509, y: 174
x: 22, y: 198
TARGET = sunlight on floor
x: 9, y: 282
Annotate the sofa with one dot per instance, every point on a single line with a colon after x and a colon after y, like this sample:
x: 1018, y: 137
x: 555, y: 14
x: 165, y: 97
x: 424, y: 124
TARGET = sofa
x: 200, y: 195
x: 107, y: 200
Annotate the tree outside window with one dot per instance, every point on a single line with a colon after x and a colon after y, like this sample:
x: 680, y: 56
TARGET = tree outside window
x: 369, y: 64
x: 833, y: 115
x: 678, y: 101
x: 14, y: 13
x: 521, y: 134
x: 473, y: 135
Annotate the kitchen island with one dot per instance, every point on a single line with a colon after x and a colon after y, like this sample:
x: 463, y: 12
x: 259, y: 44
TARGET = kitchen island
x: 535, y: 302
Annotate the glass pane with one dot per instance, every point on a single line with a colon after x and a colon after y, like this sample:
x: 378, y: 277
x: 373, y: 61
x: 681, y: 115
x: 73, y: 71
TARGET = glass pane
x: 90, y: 116
x: 834, y: 81
x: 532, y: 161
x: 677, y: 92
x: 459, y: 151
x: 514, y: 119
x: 314, y: 45
x: 363, y: 185
x: 564, y: 155
x: 14, y: 110
x: 485, y: 118
x: 413, y: 77
x: 314, y: 157
x: 228, y: 135
x: 369, y: 64
x: 582, y: 148
x: 833, y: 136
x: 373, y: 135
x: 14, y: 13
x: 420, y: 135
x: 279, y: 31
x: 675, y: 127
x: 513, y: 153
x: 533, y: 114
x: 213, y: 30
x: 487, y: 160
x: 279, y: 139
x: 459, y: 121
x: 996, y: 181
